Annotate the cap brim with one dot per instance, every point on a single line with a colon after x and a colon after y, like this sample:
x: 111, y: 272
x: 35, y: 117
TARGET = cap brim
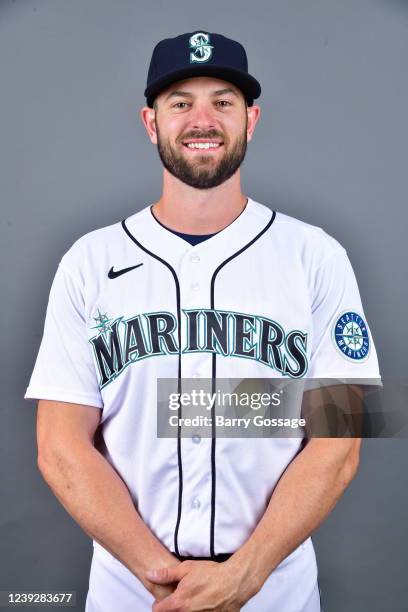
x: 244, y: 81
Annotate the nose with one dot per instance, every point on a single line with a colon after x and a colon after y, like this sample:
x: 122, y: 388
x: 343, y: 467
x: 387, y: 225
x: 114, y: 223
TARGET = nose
x: 203, y: 117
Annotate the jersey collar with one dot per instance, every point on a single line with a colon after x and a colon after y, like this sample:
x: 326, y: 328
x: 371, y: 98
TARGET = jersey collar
x: 168, y: 246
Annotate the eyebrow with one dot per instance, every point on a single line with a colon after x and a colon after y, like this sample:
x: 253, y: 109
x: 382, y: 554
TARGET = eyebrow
x: 187, y: 94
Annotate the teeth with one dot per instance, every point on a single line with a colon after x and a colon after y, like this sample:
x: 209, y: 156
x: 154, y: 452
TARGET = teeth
x: 203, y: 145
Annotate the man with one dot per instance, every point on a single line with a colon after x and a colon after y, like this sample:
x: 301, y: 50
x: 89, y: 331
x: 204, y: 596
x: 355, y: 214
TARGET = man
x: 205, y: 283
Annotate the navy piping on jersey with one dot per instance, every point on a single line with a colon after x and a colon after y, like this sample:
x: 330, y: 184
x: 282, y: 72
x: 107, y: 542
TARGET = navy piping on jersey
x: 214, y: 374
x: 221, y: 556
x: 180, y: 465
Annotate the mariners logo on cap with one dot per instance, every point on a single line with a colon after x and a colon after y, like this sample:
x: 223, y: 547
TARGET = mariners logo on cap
x: 351, y: 336
x: 202, y: 49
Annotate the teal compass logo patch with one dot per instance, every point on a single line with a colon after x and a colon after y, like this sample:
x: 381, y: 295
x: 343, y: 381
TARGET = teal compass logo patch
x: 351, y: 336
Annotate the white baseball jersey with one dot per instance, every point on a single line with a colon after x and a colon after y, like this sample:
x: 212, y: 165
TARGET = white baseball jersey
x: 268, y: 296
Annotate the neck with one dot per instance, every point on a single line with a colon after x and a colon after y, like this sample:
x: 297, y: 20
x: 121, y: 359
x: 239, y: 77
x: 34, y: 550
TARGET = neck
x: 199, y: 211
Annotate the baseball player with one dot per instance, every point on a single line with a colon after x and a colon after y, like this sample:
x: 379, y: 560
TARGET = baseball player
x: 204, y: 283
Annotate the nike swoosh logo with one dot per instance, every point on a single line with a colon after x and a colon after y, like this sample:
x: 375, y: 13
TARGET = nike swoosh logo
x: 115, y: 273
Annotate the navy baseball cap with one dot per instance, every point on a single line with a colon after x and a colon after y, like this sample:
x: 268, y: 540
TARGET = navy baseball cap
x: 199, y: 53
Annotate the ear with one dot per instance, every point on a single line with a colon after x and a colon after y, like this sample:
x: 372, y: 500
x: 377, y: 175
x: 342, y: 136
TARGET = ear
x: 148, y: 117
x: 254, y: 112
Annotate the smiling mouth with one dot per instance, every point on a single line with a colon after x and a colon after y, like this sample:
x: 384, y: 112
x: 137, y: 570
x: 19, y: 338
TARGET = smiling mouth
x: 203, y: 145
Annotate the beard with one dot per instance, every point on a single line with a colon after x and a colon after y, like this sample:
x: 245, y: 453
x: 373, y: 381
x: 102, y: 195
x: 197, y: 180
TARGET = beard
x: 202, y: 172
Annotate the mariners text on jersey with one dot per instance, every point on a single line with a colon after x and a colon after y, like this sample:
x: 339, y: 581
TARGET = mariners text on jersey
x: 120, y: 343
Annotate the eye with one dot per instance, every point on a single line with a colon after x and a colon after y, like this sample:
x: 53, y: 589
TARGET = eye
x: 178, y: 104
x: 224, y: 103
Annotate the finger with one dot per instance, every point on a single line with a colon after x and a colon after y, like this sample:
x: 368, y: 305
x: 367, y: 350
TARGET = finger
x: 161, y: 591
x: 165, y: 575
x: 169, y: 604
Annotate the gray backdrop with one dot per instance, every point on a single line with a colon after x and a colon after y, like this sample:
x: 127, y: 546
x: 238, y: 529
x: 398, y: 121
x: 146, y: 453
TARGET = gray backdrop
x: 331, y: 149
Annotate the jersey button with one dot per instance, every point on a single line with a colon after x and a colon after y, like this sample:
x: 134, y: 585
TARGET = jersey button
x: 195, y: 286
x: 195, y: 258
x: 196, y: 439
x: 195, y: 503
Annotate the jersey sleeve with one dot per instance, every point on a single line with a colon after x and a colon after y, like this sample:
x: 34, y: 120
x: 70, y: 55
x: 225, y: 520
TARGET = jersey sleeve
x: 342, y: 343
x: 64, y: 368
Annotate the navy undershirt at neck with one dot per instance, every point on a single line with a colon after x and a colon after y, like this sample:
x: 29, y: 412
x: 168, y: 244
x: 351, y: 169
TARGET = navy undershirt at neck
x: 193, y: 239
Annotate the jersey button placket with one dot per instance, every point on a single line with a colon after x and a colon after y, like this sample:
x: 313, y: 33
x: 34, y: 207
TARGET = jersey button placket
x: 196, y: 449
x: 195, y: 503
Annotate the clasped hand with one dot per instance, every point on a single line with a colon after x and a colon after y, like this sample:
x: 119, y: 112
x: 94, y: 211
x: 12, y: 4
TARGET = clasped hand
x: 199, y: 586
